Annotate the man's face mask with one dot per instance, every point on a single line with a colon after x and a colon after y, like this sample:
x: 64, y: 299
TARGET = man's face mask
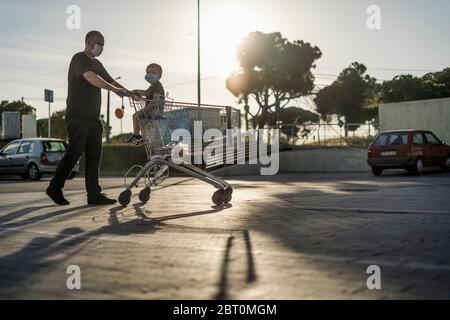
x: 151, y: 77
x: 97, y: 51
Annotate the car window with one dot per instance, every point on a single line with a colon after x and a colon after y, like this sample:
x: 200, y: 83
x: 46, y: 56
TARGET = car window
x: 418, y: 138
x: 381, y: 140
x: 11, y: 148
x: 431, y: 139
x: 32, y: 147
x: 390, y: 139
x: 54, y: 146
x: 24, y: 147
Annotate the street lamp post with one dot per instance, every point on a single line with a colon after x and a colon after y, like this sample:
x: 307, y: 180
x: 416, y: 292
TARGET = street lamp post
x: 107, y: 115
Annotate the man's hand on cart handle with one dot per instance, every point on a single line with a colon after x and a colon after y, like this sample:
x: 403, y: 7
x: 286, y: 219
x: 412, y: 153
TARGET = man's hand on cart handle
x: 121, y: 92
x: 139, y: 92
x: 97, y: 81
x: 126, y: 93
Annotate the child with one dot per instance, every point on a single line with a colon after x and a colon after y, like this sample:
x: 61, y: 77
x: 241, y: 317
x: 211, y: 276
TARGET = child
x: 155, y: 92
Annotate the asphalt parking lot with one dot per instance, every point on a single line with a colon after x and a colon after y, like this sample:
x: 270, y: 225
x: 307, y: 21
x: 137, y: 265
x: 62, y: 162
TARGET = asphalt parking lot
x: 299, y: 236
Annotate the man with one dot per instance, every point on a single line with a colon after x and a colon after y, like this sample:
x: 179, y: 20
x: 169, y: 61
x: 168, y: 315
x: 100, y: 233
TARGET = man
x: 87, y: 77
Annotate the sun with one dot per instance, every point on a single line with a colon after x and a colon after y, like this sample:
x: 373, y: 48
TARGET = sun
x: 222, y: 30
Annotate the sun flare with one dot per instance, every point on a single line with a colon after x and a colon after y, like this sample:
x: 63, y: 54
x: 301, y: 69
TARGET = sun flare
x: 222, y: 30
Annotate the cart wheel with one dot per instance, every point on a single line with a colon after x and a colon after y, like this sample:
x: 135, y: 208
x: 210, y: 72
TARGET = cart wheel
x: 144, y: 195
x: 124, y: 197
x: 218, y: 197
x: 227, y: 196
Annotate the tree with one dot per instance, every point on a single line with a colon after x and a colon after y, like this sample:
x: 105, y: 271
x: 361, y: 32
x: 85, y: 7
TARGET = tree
x: 293, y: 118
x: 408, y: 88
x: 443, y: 78
x: 59, y: 129
x: 327, y: 101
x: 273, y: 71
x: 348, y: 95
x: 239, y: 85
x: 16, y: 106
x: 293, y: 115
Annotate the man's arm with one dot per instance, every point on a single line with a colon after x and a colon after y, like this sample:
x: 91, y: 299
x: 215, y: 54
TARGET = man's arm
x: 118, y: 85
x: 102, y: 73
x: 99, y: 82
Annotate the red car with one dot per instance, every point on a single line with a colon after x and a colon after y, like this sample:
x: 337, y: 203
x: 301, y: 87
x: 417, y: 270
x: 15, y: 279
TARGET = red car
x: 408, y: 149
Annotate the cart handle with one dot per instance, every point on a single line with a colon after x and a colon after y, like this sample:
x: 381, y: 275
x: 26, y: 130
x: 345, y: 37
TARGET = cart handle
x: 129, y: 94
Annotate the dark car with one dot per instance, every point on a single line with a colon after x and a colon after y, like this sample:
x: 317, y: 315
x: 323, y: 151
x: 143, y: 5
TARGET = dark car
x: 31, y: 158
x: 408, y: 149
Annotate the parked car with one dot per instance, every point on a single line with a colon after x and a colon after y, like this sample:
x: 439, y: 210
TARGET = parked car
x: 31, y: 158
x: 408, y: 149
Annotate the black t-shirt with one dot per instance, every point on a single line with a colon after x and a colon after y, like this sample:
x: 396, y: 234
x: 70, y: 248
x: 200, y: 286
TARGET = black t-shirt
x: 156, y: 88
x: 83, y: 99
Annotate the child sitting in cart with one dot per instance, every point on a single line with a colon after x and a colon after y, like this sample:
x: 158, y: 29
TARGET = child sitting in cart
x: 155, y: 92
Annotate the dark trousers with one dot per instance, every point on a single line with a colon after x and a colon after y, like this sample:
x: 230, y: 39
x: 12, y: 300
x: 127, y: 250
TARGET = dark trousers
x: 84, y: 136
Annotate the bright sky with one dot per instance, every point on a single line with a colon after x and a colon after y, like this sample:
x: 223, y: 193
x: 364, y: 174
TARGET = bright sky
x: 36, y: 46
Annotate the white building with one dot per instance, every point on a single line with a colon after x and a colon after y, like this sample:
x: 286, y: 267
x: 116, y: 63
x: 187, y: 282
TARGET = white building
x: 433, y: 114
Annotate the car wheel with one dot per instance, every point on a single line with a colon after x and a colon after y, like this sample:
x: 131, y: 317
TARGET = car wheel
x: 34, y: 173
x: 418, y: 167
x: 446, y: 165
x: 377, y: 171
x: 72, y: 175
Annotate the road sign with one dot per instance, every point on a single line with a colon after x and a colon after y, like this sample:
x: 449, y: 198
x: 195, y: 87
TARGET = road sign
x: 48, y: 95
x: 341, y: 123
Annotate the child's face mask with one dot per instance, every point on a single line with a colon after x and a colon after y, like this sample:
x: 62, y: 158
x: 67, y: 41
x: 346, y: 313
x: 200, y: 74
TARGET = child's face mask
x: 151, y: 77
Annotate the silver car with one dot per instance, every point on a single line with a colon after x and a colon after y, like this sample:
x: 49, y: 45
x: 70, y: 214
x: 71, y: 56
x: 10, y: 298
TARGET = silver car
x: 31, y: 158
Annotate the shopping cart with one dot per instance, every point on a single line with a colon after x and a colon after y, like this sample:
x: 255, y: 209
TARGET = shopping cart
x: 157, y: 120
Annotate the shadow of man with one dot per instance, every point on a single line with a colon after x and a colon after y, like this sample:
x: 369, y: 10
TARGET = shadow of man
x: 31, y: 260
x: 39, y: 218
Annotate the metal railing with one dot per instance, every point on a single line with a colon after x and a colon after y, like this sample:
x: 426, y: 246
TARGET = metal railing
x: 328, y: 134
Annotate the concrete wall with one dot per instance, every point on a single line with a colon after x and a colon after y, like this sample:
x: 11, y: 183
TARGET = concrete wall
x: 431, y: 115
x: 309, y: 160
x: 29, y: 129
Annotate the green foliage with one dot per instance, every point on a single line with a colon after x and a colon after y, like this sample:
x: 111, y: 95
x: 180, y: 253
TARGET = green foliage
x: 348, y: 95
x: 409, y: 88
x: 59, y: 129
x: 292, y: 121
x: 293, y: 115
x: 273, y: 71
